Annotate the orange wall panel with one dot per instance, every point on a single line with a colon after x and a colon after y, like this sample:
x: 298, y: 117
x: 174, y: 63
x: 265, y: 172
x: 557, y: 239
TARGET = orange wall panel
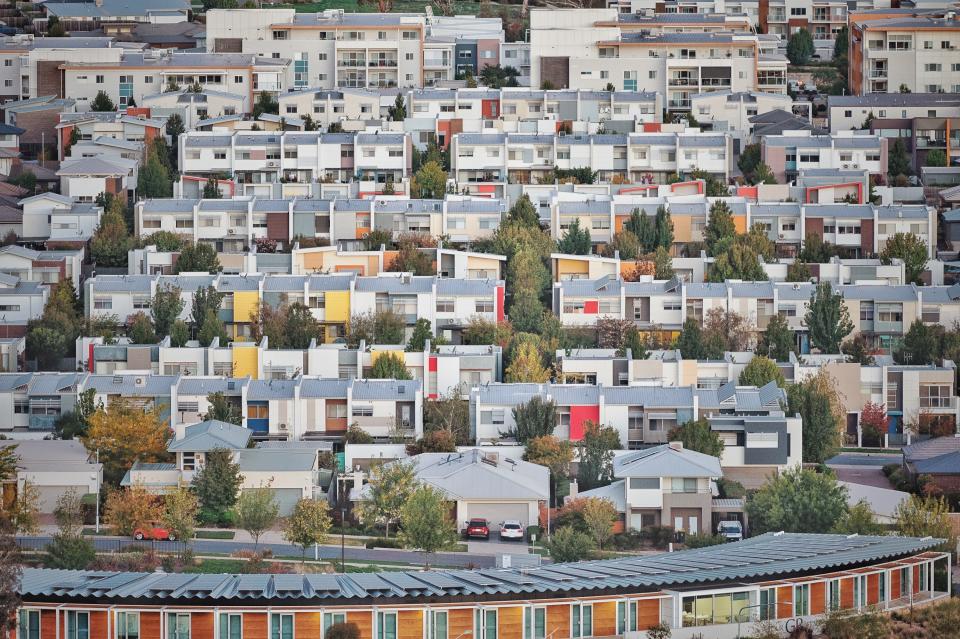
x: 784, y: 602
x: 149, y: 625
x: 98, y: 624
x: 605, y: 619
x: 818, y: 598
x: 846, y: 593
x: 410, y: 624
x: 48, y: 625
x: 873, y: 589
x: 460, y: 622
x: 307, y: 624
x: 510, y: 623
x: 364, y: 621
x: 201, y: 625
x: 254, y: 625
x: 648, y: 613
x: 558, y: 620
x: 894, y: 583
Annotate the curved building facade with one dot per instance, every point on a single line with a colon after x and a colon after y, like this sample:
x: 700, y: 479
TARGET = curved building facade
x: 783, y: 577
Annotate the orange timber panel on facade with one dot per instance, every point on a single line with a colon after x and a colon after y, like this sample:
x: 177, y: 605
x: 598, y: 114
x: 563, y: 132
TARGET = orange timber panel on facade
x: 201, y: 624
x: 510, y: 622
x: 894, y: 584
x: 846, y: 593
x: 410, y: 624
x: 916, y: 579
x: 784, y: 602
x: 873, y: 589
x: 99, y: 620
x: 605, y: 619
x: 818, y: 598
x: 460, y: 622
x: 254, y: 625
x: 648, y: 614
x: 558, y: 620
x: 364, y: 621
x: 48, y: 624
x: 307, y: 624
x: 150, y: 625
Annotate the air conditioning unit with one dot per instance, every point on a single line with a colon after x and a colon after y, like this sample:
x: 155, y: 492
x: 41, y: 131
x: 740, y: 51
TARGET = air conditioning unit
x: 846, y: 166
x: 271, y: 163
x: 782, y: 236
x: 231, y: 231
x: 283, y: 427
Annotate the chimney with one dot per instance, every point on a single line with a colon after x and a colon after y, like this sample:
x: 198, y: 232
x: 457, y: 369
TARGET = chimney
x: 574, y: 489
x: 358, y: 479
x: 678, y: 446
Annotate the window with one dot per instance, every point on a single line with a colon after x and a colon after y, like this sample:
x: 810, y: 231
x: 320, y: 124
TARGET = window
x: 684, y: 484
x: 411, y: 35
x: 801, y: 600
x: 178, y: 625
x: 860, y: 591
x: 486, y: 621
x: 713, y: 609
x: 890, y: 312
x: 78, y: 625
x: 386, y: 625
x: 882, y: 590
x: 238, y: 79
x: 337, y: 411
x: 933, y: 66
x: 99, y: 79
x: 258, y: 411
x: 437, y: 624
x: 128, y: 625
x: 445, y: 305
x: 833, y: 594
x: 331, y: 618
x: 768, y: 604
x: 866, y: 311
x: 644, y: 483
x: 102, y: 302
x: 29, y: 624
x: 189, y: 460
x: 483, y: 306
x: 582, y: 620
x: 626, y: 616
x: 363, y: 411
x: 535, y: 622
x: 231, y: 626
x: 935, y: 396
x: 281, y: 626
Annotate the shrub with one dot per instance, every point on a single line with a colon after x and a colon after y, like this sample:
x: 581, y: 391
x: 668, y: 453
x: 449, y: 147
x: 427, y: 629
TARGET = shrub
x: 383, y: 542
x: 889, y: 469
x: 697, y: 540
x: 69, y: 552
x: 730, y: 489
x: 343, y: 631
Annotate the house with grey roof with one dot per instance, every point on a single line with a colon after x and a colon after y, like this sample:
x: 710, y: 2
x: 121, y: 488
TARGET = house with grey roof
x: 938, y: 459
x: 51, y: 469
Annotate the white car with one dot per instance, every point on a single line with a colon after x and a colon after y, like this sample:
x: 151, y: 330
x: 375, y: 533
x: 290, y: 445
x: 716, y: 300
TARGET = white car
x: 732, y: 530
x: 511, y: 529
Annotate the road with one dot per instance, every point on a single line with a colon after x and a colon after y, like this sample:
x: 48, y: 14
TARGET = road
x: 864, y: 459
x: 225, y: 547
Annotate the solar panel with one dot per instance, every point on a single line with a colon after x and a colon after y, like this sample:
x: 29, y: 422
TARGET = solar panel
x: 556, y: 576
x: 171, y: 582
x: 439, y: 580
x: 205, y: 583
x: 405, y: 581
x: 253, y: 583
x: 323, y: 583
x: 371, y: 583
x: 115, y: 581
x: 477, y: 579
x: 288, y: 583
x: 517, y: 578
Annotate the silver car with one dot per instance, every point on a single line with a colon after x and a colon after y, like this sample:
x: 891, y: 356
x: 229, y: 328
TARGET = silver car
x: 511, y: 530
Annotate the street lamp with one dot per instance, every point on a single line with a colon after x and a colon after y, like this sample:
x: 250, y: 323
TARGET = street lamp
x: 343, y: 523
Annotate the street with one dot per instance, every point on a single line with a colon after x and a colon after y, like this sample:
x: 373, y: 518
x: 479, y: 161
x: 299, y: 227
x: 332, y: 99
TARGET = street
x: 864, y: 459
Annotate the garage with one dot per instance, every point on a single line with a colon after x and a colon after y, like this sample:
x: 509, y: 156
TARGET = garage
x: 495, y: 513
x: 48, y: 495
x: 286, y: 499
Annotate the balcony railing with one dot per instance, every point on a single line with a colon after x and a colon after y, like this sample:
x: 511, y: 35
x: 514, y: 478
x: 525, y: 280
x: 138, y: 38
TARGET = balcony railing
x: 878, y: 74
x: 679, y: 104
x: 383, y: 63
x: 683, y: 82
x: 352, y: 62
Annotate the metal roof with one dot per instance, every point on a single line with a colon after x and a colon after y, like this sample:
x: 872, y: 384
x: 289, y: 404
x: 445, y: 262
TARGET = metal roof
x: 762, y: 558
x: 210, y: 435
x: 666, y: 461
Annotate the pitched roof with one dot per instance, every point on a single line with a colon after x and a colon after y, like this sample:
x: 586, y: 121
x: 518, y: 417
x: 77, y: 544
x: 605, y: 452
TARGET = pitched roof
x: 209, y: 435
x: 477, y: 474
x: 666, y: 461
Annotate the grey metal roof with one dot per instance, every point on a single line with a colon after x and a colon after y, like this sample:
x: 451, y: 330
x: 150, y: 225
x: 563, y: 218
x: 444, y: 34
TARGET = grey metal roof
x: 666, y: 461
x: 895, y: 100
x: 270, y: 459
x: 479, y: 474
x: 385, y: 389
x: 761, y: 558
x: 209, y: 435
x: 262, y: 389
x: 396, y: 285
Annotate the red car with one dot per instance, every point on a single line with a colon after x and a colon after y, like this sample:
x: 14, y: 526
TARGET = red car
x: 478, y: 527
x: 154, y: 531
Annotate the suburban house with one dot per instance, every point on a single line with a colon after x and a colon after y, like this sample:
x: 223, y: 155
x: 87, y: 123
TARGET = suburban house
x: 938, y: 459
x: 53, y: 467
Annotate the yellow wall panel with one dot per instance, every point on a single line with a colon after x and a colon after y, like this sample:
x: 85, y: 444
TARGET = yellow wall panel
x: 246, y: 361
x: 245, y: 303
x: 337, y: 306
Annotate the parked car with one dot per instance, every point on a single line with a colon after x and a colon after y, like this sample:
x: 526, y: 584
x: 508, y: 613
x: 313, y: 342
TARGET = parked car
x: 478, y: 527
x: 732, y: 530
x: 154, y: 531
x: 511, y: 529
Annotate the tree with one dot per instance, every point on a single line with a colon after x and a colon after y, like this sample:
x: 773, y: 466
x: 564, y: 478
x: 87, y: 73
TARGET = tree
x: 180, y: 510
x: 127, y: 509
x: 936, y: 157
x: 778, y: 340
x: 422, y: 333
x: 596, y: 455
x: 798, y: 272
x: 179, y: 334
x: 389, y: 488
x: 815, y: 250
x: 644, y: 228
x: 720, y: 229
x: 198, y: 258
x: 697, y: 435
x: 663, y: 228
x: 858, y: 520
x: 307, y: 525
x: 575, y: 241
x: 211, y: 190
x: 818, y: 403
x: 527, y: 366
x: 74, y: 424
x: 342, y: 631
x: 797, y: 500
x: 437, y: 441
x: 175, y: 127
x: 690, y: 342
x: 841, y: 42
x: 760, y: 372
x: 425, y: 522
x: 222, y: 409
x: 856, y: 350
x: 925, y: 517
x: 827, y: 318
x: 725, y: 331
x: 48, y: 346
x: 389, y: 365
x: 737, y: 262
x: 68, y: 512
x: 165, y: 308
x: 524, y: 212
x: 599, y: 515
x: 898, y: 160
x: 356, y: 435
x: 398, y: 112
x: 257, y: 511
x: 920, y: 345
x: 204, y: 300
x: 800, y: 47
x: 909, y: 248
x: 217, y: 484
x: 122, y: 434
x: 555, y: 454
x: 140, y: 329
x: 154, y: 180
x: 102, y: 102
x: 69, y: 552
x: 110, y: 242
x: 533, y: 419
x: 749, y: 159
x: 431, y: 181
x: 212, y: 328
x: 569, y: 544
x: 448, y: 412
x: 381, y: 327
x: 497, y: 77
x: 625, y: 245
x: 265, y: 104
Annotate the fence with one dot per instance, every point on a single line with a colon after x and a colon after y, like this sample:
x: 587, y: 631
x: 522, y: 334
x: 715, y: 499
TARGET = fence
x: 109, y: 545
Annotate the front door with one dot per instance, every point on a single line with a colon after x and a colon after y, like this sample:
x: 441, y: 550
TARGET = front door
x: 678, y: 524
x: 694, y: 525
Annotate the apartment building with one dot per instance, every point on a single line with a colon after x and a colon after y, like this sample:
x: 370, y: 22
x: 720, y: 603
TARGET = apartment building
x: 892, y: 49
x: 797, y: 150
x: 851, y: 111
x: 343, y: 105
x: 113, y: 15
x: 134, y: 75
x: 486, y: 162
x: 194, y: 108
x: 823, y: 19
x: 728, y: 111
x: 592, y: 49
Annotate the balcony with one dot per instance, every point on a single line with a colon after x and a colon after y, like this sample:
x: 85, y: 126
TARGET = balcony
x: 715, y: 82
x: 384, y: 63
x: 266, y: 86
x: 684, y: 82
x: 352, y: 62
x: 679, y: 104
x: 42, y: 422
x: 878, y: 74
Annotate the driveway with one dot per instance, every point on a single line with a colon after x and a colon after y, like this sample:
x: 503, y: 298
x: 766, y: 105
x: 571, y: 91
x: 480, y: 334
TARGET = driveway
x: 865, y: 459
x: 863, y: 468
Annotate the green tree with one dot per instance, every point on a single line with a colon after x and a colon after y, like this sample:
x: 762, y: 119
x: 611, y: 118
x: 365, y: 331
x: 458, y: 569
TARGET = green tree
x: 555, y: 454
x: 818, y: 403
x: 797, y: 500
x: 205, y: 299
x: 74, y: 424
x: 389, y: 488
x: 398, y: 112
x: 815, y: 250
x: 308, y: 525
x: 55, y: 28
x: 898, y: 160
x: 389, y: 365
x: 211, y: 189
x: 575, y: 240
x: 425, y: 522
x: 739, y: 262
x: 697, y: 435
x: 154, y: 180
x: 217, y: 484
x: 110, y: 242
x: 800, y: 47
x: 778, y: 339
x: 690, y: 342
x: 749, y: 159
x: 436, y: 441
x: 140, y: 329
x: 69, y: 552
x: 856, y: 350
x: 926, y: 517
x: 827, y: 319
x: 301, y: 327
x: 763, y: 174
x: 265, y: 104
x: 421, y: 334
x: 222, y: 410
x: 720, y: 229
x: 165, y: 308
x: 180, y: 510
x: 624, y: 244
x: 936, y: 157
x: 524, y: 212
x: 179, y: 334
x: 199, y: 257
x: 535, y: 418
x: 568, y: 544
x: 527, y: 366
x: 102, y: 102
x: 920, y: 345
x: 68, y: 512
x: 48, y: 346
x: 210, y: 329
x: 431, y: 181
x: 257, y: 511
x: 841, y: 42
x: 798, y: 272
x: 663, y: 228
x: 909, y: 248
x: 599, y: 516
x: 760, y: 372
x: 858, y: 520
x: 644, y: 228
x: 596, y: 455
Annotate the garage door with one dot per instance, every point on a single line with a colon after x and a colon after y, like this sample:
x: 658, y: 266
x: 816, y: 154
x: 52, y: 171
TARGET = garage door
x: 497, y: 513
x: 286, y: 498
x: 49, y: 495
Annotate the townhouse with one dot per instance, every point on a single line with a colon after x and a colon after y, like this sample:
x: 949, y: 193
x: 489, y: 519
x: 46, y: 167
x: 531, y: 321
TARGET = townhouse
x: 729, y: 111
x: 83, y: 179
x: 851, y: 111
x: 112, y: 15
x: 48, y: 267
x: 344, y: 105
x: 890, y: 49
x: 823, y: 19
x: 133, y: 75
x: 194, y: 108
x: 30, y: 403
x: 796, y: 150
x: 592, y: 49
x: 52, y: 468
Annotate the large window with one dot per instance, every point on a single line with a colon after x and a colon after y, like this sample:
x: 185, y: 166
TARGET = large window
x: 626, y: 616
x: 437, y: 624
x: 860, y: 591
x: 331, y: 618
x: 768, y: 604
x: 128, y: 625
x: 281, y: 625
x: 178, y: 625
x: 935, y: 396
x: 386, y: 625
x: 715, y: 609
x: 29, y: 624
x: 582, y: 620
x: 231, y: 626
x: 534, y: 622
x: 486, y: 623
x: 78, y: 625
x: 801, y: 600
x: 833, y: 594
